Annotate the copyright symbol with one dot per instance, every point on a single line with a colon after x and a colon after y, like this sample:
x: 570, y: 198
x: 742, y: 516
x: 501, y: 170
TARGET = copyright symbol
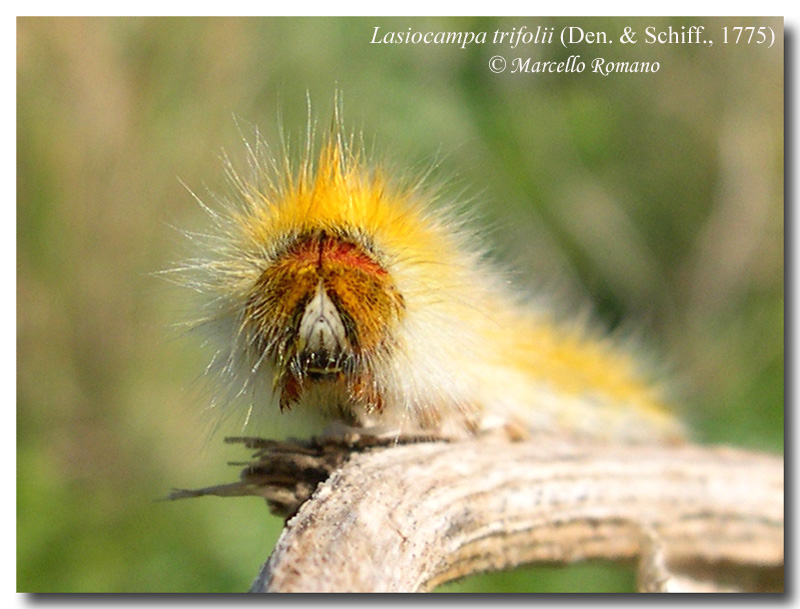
x: 497, y: 64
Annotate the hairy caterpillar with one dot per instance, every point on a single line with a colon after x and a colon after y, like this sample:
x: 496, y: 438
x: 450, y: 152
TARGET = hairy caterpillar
x: 334, y: 287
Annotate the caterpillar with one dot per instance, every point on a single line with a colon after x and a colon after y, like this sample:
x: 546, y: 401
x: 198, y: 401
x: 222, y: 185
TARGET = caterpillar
x: 333, y: 285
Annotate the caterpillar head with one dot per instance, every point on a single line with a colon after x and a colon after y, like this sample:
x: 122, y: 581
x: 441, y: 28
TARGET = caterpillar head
x: 300, y: 290
x: 320, y: 312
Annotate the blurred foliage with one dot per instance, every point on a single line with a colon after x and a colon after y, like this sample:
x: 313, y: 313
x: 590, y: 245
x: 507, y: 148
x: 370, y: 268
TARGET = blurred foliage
x: 656, y: 197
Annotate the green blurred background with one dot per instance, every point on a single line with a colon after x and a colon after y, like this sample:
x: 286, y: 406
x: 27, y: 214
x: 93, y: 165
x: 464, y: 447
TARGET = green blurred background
x: 657, y: 197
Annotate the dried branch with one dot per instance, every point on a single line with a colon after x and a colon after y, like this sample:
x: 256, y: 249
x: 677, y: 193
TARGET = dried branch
x: 411, y: 517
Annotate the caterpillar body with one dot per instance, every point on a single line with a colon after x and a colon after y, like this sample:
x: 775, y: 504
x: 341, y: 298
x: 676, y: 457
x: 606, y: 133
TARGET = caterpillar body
x: 330, y: 285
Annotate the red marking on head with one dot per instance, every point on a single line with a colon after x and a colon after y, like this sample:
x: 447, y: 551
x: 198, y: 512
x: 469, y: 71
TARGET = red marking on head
x: 347, y: 254
x: 324, y: 251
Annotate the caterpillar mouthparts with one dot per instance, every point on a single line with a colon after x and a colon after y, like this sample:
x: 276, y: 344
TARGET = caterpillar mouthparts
x: 334, y: 286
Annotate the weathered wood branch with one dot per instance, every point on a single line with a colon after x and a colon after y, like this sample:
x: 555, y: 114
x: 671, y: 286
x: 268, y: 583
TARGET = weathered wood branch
x: 410, y: 517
